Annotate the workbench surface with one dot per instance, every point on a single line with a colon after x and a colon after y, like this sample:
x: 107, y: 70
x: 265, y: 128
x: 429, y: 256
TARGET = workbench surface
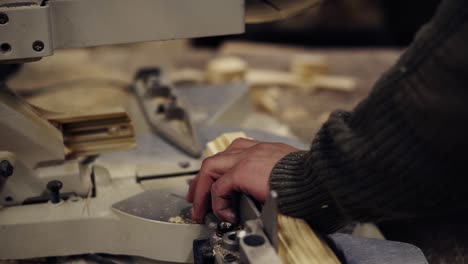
x: 95, y: 77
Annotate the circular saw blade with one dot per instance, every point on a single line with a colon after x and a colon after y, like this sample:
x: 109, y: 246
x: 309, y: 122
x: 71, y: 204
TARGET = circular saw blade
x: 261, y: 11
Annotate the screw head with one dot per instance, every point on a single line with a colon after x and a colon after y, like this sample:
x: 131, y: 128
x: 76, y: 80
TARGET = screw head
x: 38, y: 46
x: 6, y: 169
x: 3, y: 18
x: 230, y: 257
x: 54, y: 186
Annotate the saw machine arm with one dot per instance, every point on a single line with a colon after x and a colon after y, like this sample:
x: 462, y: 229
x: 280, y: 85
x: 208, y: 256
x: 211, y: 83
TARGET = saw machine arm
x: 32, y: 29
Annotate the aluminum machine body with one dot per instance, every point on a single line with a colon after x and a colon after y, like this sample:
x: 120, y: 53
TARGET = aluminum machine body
x: 56, y: 200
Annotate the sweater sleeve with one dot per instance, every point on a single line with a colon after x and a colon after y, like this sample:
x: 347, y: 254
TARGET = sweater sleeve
x: 402, y: 152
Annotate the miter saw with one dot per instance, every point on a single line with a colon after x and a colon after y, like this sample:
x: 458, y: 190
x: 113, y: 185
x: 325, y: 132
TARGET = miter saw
x: 59, y: 199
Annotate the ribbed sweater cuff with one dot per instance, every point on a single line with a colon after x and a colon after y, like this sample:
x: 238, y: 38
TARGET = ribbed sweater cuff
x: 304, y: 195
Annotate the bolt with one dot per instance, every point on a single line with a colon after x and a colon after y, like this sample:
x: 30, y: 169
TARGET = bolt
x: 229, y: 257
x: 3, y: 18
x: 184, y: 164
x: 223, y: 228
x: 54, y: 188
x: 6, y: 169
x: 38, y: 46
x: 230, y: 242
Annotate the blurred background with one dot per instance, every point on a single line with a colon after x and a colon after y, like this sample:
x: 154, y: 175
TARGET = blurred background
x: 358, y: 39
x: 334, y: 24
x: 345, y: 23
x: 355, y: 39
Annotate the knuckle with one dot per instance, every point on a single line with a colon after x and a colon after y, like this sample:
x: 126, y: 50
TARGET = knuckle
x: 208, y: 162
x: 203, y: 173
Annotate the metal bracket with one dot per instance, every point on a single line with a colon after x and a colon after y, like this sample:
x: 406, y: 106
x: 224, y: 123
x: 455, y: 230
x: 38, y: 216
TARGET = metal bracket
x: 31, y: 30
x: 255, y: 246
x: 25, y: 32
x: 269, y: 218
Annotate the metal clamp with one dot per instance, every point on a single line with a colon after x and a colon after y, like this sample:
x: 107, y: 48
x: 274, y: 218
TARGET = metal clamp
x: 259, y: 244
x: 255, y: 242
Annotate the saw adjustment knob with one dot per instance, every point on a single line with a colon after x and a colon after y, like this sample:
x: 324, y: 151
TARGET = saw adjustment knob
x: 54, y: 188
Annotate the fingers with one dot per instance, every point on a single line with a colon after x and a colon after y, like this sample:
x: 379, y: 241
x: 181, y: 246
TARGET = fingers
x: 222, y: 193
x: 216, y: 164
x: 221, y: 162
x: 200, y: 190
x: 200, y: 196
x: 244, y: 167
x: 212, y: 167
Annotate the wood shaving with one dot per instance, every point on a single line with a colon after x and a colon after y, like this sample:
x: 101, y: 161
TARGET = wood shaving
x: 176, y: 220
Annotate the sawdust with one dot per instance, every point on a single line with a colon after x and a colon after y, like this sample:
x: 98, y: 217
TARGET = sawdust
x: 180, y: 220
x: 176, y: 220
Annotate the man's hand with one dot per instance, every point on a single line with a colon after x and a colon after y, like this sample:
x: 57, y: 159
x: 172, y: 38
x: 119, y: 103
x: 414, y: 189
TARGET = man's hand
x: 244, y: 167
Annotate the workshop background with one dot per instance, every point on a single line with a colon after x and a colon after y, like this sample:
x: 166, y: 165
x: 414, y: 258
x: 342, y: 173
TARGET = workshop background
x: 359, y: 39
x: 350, y: 41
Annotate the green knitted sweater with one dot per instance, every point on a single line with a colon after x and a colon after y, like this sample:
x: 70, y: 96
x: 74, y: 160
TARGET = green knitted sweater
x: 401, y: 155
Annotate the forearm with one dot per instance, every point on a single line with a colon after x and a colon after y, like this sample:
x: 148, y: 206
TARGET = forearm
x: 397, y: 154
